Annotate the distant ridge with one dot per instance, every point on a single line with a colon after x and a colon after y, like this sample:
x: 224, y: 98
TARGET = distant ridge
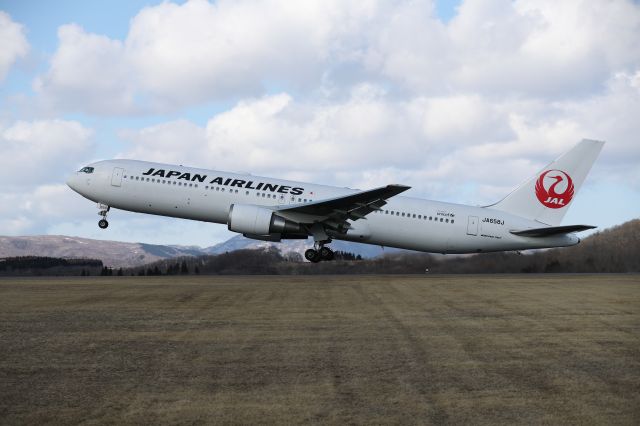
x: 239, y: 242
x: 609, y: 250
x: 118, y: 254
x: 112, y: 253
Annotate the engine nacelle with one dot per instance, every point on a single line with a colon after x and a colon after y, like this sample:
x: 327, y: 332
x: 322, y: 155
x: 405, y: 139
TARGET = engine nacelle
x: 256, y: 220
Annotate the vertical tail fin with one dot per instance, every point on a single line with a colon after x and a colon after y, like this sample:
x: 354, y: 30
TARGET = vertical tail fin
x: 546, y: 196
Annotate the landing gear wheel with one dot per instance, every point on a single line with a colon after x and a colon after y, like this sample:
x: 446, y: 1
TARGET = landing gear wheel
x: 103, y: 224
x: 312, y: 256
x: 326, y: 253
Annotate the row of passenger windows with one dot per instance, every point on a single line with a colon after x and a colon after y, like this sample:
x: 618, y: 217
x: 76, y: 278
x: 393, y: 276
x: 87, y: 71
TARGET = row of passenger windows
x: 212, y: 188
x: 415, y: 216
x: 293, y: 199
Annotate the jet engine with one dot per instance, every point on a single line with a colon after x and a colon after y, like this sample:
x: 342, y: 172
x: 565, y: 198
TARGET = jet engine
x: 255, y: 220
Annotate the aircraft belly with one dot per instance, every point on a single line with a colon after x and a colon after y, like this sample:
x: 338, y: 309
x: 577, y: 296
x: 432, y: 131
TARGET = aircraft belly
x: 172, y: 202
x: 410, y: 235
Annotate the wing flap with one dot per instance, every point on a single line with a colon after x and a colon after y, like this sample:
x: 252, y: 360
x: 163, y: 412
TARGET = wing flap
x: 551, y: 230
x: 335, y: 212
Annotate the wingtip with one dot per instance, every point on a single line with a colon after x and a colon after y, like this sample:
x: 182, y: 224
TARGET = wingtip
x: 398, y: 188
x: 594, y: 141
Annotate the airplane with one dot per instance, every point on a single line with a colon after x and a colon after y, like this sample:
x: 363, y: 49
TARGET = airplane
x: 271, y: 209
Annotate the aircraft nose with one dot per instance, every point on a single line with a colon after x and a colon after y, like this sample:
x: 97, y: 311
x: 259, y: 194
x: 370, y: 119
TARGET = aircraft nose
x: 72, y: 182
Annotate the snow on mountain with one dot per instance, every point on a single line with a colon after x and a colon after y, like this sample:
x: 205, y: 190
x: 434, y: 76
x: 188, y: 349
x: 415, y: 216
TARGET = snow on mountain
x: 112, y: 253
x: 119, y: 254
x: 239, y: 242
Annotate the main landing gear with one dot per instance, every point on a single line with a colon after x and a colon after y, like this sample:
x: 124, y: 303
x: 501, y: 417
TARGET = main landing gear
x: 318, y: 252
x: 104, y: 209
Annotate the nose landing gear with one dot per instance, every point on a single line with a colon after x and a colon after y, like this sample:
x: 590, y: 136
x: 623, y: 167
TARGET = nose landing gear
x: 104, y: 209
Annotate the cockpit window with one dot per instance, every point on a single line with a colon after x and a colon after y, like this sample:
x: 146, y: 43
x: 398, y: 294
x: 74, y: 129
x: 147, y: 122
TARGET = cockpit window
x: 86, y: 170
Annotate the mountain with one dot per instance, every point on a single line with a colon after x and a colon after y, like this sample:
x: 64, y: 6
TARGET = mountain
x: 239, y: 242
x: 614, y: 249
x: 112, y: 253
x: 119, y: 254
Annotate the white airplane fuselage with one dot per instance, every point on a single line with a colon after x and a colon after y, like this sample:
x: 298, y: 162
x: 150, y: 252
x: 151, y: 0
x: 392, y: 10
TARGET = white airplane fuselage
x: 208, y: 195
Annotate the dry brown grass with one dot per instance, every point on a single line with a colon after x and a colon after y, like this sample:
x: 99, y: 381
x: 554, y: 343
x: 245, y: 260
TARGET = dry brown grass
x: 358, y: 349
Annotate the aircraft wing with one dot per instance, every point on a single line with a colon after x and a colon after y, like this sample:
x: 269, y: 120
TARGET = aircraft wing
x: 334, y: 212
x: 551, y: 230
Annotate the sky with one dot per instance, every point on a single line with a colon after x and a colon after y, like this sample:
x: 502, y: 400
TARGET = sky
x: 461, y: 100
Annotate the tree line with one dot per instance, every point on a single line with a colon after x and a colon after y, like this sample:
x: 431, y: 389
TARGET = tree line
x: 613, y: 250
x: 37, y: 265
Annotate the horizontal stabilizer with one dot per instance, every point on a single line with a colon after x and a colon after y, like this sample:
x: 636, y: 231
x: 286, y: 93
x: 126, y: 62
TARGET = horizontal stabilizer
x: 551, y: 230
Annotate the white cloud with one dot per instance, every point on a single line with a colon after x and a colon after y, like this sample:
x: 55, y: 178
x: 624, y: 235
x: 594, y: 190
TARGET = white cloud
x: 349, y: 93
x: 545, y: 48
x: 87, y: 70
x: 41, y: 151
x: 438, y: 144
x: 277, y: 134
x: 13, y: 41
x: 35, y: 209
x: 179, y: 55
x: 176, y: 55
x: 171, y: 142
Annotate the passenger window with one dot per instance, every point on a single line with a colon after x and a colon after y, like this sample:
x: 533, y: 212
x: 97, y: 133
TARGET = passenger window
x: 451, y: 220
x: 247, y: 193
x: 440, y: 219
x: 419, y: 216
x: 402, y: 214
x: 447, y: 220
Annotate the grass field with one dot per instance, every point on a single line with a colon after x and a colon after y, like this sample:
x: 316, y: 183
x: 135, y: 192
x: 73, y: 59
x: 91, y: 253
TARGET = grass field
x: 345, y: 349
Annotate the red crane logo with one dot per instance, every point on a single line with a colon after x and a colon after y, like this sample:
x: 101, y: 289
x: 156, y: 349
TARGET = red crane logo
x: 548, y: 194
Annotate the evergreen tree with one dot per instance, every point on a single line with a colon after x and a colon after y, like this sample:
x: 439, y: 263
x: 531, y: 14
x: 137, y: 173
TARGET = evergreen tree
x: 183, y: 269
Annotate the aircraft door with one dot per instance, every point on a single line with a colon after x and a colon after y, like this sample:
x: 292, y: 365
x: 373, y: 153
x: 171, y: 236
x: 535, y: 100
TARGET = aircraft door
x: 116, y: 177
x: 472, y: 225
